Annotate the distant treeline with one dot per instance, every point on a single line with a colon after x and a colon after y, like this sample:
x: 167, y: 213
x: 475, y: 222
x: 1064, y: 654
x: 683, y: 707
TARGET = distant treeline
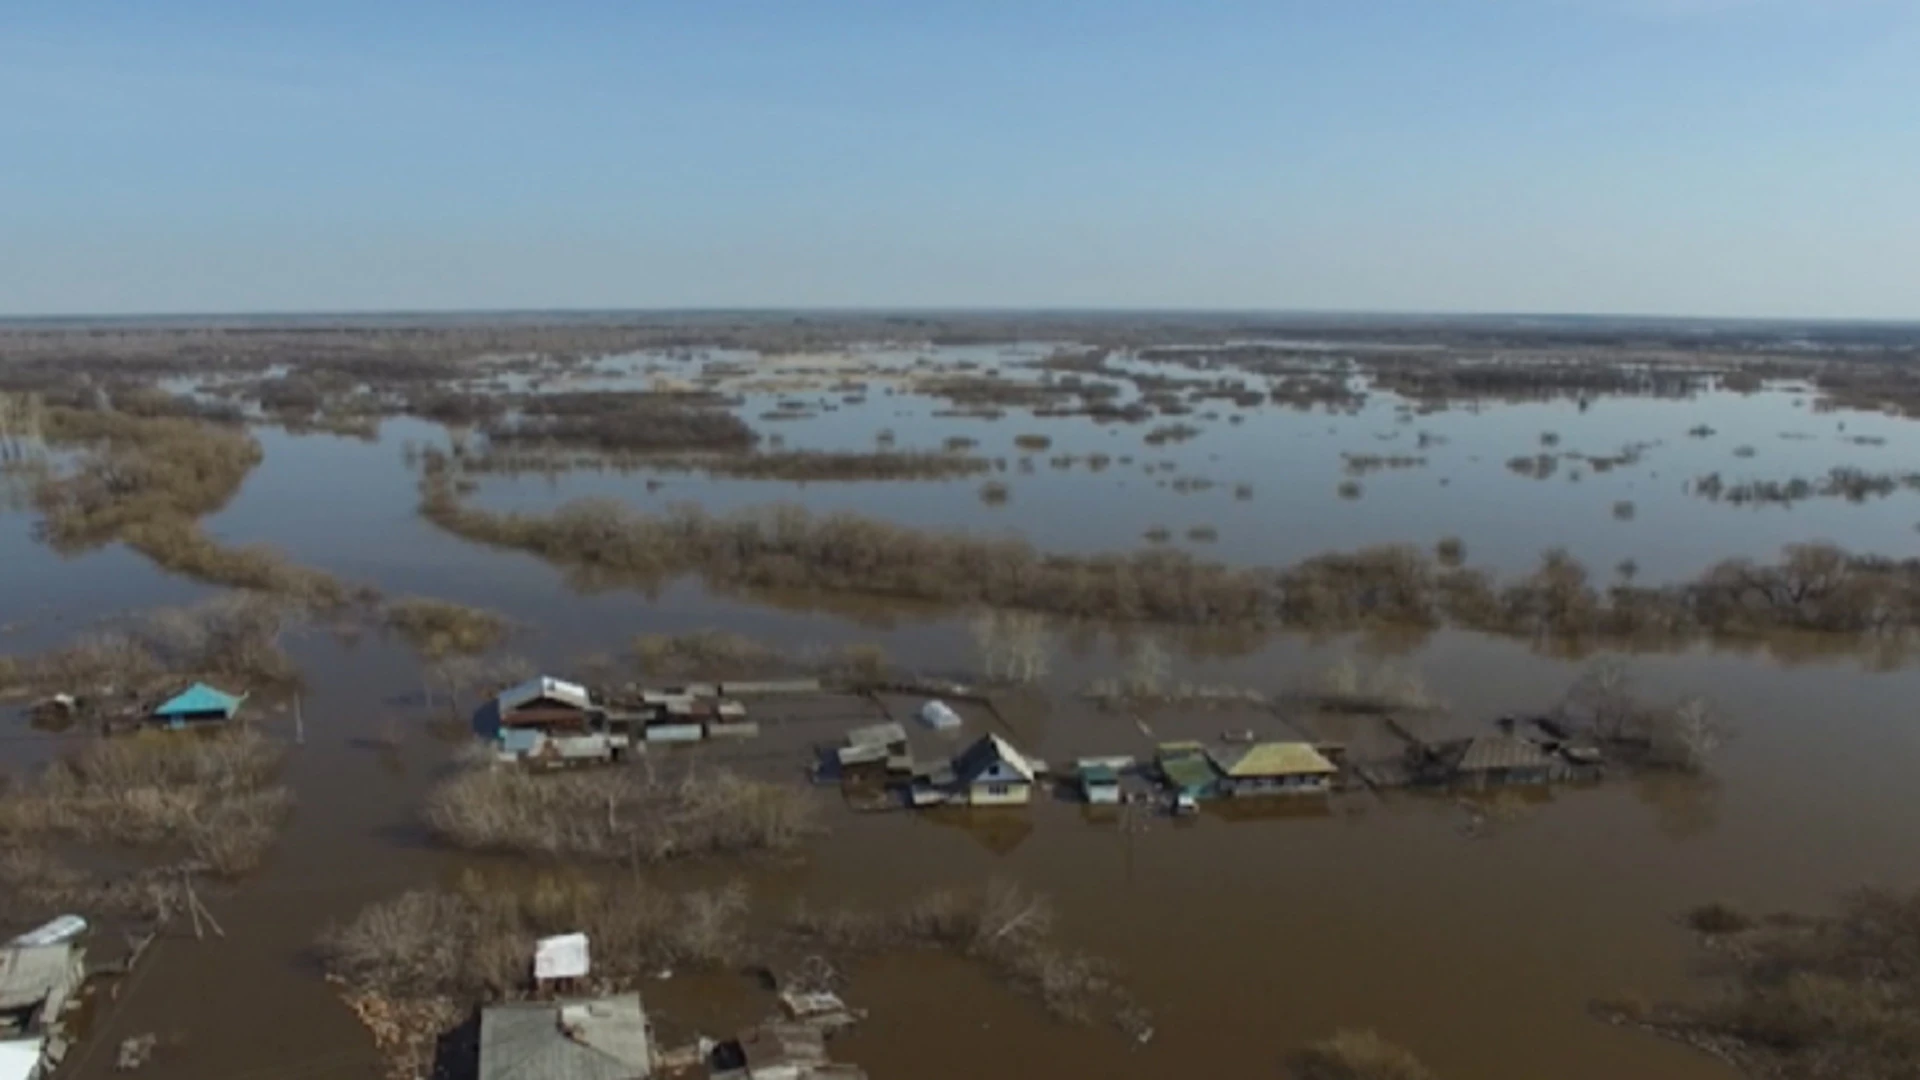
x: 1813, y: 588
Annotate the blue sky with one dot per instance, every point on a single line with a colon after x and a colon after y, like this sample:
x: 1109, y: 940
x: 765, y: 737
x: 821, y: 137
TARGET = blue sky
x: 1714, y: 157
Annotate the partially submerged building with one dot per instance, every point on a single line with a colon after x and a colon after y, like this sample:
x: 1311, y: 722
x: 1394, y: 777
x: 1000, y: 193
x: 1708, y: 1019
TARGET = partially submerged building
x: 605, y: 1038
x: 40, y: 974
x: 1273, y: 768
x: 874, y: 755
x: 780, y: 1051
x: 1186, y: 772
x: 555, y: 722
x: 992, y: 773
x: 1099, y: 781
x: 1496, y: 759
x: 197, y: 704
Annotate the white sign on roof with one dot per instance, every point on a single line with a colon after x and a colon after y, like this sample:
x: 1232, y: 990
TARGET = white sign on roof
x: 563, y: 957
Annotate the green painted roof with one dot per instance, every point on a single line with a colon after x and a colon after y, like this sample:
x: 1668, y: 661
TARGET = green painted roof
x: 1188, y: 771
x: 1099, y: 774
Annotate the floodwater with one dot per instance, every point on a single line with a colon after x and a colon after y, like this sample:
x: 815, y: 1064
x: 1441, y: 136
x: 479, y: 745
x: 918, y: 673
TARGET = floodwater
x: 1478, y: 948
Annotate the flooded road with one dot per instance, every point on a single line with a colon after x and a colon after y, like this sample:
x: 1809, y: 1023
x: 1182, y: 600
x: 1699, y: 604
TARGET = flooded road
x: 1478, y: 944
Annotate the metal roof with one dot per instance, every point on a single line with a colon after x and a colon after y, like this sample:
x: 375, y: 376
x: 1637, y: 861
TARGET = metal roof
x: 1098, y: 773
x: 30, y: 974
x: 989, y: 749
x: 1187, y: 770
x: 597, y: 1039
x: 877, y: 735
x: 544, y: 686
x: 1271, y: 759
x: 200, y: 698
x: 1484, y: 753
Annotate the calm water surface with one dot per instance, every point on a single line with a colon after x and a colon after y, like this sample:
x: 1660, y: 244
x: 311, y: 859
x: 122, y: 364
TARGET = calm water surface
x: 1477, y: 949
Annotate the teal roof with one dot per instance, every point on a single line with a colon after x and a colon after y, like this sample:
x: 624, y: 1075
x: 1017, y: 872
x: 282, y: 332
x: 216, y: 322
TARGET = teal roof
x: 200, y: 698
x: 1099, y: 774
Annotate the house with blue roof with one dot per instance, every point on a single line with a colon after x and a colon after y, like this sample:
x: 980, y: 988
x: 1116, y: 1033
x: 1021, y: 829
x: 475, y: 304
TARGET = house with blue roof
x: 197, y: 704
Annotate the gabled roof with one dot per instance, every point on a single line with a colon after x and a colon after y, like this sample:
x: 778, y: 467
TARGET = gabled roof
x: 599, y: 1039
x: 544, y: 686
x: 200, y: 698
x: 990, y: 749
x: 1271, y: 759
x: 1483, y: 753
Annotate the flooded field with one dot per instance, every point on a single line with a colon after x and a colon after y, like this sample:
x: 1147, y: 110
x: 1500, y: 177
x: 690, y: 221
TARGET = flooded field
x: 1477, y: 932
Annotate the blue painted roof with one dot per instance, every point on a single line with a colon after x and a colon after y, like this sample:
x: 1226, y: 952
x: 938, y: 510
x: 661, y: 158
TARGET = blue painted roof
x: 200, y: 698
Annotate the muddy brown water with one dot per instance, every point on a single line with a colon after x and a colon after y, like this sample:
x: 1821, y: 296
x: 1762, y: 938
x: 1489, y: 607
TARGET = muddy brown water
x: 1246, y: 934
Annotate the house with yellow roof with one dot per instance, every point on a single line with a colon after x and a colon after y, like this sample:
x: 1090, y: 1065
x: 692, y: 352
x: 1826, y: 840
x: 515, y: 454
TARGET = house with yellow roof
x: 1273, y: 768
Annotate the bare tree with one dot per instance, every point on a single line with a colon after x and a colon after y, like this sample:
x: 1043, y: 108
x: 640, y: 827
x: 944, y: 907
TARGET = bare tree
x: 1150, y: 668
x: 1603, y: 697
x: 1687, y: 734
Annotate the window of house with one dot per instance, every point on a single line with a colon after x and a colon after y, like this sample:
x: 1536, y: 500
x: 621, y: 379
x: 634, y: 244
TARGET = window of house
x: 998, y: 789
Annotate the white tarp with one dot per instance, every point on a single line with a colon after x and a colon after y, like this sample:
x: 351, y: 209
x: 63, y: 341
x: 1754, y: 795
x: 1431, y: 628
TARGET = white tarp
x: 937, y: 714
x: 20, y: 1059
x: 563, y: 957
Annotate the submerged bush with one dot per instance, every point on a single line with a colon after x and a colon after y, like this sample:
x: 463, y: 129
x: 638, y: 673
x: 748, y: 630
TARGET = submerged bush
x: 211, y: 796
x: 1357, y: 1055
x: 619, y: 813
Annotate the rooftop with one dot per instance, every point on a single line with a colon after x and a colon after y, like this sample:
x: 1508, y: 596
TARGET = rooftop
x: 200, y: 698
x: 877, y: 735
x: 544, y: 687
x: 1271, y: 759
x: 1484, y: 753
x: 587, y: 1039
x: 989, y: 749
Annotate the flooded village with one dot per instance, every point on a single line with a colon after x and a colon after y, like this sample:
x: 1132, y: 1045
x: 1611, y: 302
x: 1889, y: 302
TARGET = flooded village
x: 640, y: 699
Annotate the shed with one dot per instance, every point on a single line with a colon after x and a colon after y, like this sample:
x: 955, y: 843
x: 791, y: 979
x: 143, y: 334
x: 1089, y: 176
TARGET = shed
x: 198, y: 704
x: 1099, y: 782
x: 586, y: 1039
x: 992, y: 773
x: 1185, y: 770
x: 544, y: 701
x: 783, y: 1051
x: 889, y: 735
x: 1273, y: 768
x: 36, y: 982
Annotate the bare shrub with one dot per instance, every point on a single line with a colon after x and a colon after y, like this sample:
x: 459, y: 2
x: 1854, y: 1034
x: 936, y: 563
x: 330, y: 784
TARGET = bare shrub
x: 1002, y: 926
x: 1451, y: 551
x: 1032, y: 443
x: 995, y: 493
x: 1833, y: 996
x: 1357, y: 1055
x: 619, y: 814
x: 439, y: 628
x: 1349, y: 489
x: 1013, y: 646
x: 212, y: 797
x: 1349, y: 686
x: 1623, y: 510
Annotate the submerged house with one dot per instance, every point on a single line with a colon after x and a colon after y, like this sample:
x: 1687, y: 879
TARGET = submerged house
x: 1273, y: 768
x: 197, y: 704
x: 992, y: 773
x: 586, y: 1039
x: 554, y: 722
x: 40, y: 974
x: 1496, y: 760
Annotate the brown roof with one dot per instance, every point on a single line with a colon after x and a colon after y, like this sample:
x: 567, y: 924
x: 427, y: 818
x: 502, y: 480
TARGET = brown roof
x: 1484, y: 753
